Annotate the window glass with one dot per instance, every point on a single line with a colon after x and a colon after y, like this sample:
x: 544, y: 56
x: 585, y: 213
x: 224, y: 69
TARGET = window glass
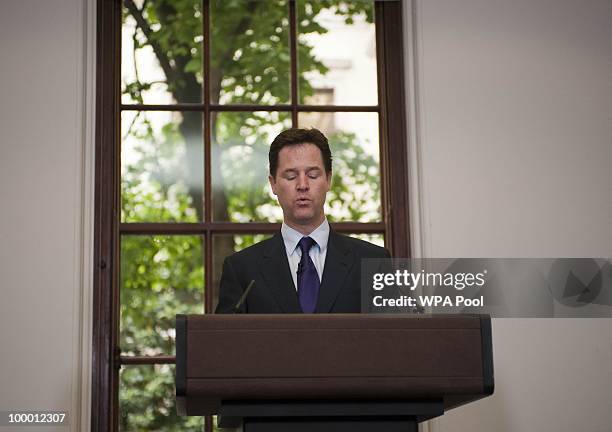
x: 161, y: 276
x: 161, y: 57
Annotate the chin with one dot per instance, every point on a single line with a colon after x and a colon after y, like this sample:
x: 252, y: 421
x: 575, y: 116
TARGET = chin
x: 303, y: 218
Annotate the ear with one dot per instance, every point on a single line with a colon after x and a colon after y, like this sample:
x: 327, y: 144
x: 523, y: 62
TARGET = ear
x: 272, y: 181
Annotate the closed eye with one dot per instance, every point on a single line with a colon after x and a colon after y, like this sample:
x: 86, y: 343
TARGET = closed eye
x: 314, y: 173
x: 290, y: 175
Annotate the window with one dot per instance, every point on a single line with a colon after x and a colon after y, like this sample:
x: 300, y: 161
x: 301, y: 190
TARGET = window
x: 190, y: 94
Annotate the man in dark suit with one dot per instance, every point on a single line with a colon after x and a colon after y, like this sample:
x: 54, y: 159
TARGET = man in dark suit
x: 306, y: 267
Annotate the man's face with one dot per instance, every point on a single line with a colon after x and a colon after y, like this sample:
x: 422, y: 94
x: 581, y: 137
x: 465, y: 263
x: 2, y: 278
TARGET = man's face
x: 301, y: 184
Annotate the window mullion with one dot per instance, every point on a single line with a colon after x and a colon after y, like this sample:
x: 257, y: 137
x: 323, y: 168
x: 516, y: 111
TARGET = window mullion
x: 294, y: 60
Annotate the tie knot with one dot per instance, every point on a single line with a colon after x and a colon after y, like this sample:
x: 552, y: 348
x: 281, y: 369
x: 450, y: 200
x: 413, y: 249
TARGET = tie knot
x: 305, y: 244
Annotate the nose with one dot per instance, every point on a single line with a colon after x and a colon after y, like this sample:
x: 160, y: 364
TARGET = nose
x: 302, y: 184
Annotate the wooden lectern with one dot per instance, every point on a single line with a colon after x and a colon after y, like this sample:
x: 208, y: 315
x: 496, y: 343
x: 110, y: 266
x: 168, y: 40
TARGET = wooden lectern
x: 329, y: 372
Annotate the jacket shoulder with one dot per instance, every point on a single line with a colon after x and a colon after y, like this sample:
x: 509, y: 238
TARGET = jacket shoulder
x: 363, y: 248
x: 254, y: 251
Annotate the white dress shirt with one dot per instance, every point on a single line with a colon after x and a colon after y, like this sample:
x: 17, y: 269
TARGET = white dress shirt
x: 318, y: 252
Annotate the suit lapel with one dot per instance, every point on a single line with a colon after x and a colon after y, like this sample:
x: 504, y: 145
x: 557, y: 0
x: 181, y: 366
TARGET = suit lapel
x: 338, y: 263
x: 276, y: 272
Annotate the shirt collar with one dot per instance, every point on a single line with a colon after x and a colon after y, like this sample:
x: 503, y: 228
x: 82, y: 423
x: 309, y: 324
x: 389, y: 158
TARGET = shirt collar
x: 291, y: 237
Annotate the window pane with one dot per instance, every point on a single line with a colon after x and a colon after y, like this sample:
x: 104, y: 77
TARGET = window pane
x: 353, y: 138
x: 161, y: 59
x: 249, y: 59
x: 147, y: 401
x: 337, y: 53
x: 161, y: 166
x: 225, y: 245
x: 161, y: 276
x: 377, y: 239
x: 241, y: 192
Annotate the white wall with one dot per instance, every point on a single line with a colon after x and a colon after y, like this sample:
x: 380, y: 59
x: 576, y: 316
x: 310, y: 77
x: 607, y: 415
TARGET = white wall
x: 511, y: 143
x: 45, y: 219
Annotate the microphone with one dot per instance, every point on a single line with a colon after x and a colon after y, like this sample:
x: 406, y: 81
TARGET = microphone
x: 237, y: 308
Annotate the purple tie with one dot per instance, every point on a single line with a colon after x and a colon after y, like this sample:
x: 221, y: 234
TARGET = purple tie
x: 307, y: 277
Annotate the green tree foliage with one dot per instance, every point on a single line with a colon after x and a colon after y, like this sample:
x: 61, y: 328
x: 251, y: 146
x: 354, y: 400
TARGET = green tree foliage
x: 163, y: 275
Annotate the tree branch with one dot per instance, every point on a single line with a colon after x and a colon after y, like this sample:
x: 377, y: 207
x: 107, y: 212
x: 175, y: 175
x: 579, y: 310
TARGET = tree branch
x: 141, y: 22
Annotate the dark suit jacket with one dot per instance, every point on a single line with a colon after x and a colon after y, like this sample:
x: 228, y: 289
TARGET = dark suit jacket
x: 274, y: 292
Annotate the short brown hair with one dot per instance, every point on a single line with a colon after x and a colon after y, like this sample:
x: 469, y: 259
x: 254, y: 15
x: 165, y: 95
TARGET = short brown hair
x: 297, y: 136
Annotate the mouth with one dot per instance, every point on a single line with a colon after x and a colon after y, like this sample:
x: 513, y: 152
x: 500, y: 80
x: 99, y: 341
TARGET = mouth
x: 302, y: 201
